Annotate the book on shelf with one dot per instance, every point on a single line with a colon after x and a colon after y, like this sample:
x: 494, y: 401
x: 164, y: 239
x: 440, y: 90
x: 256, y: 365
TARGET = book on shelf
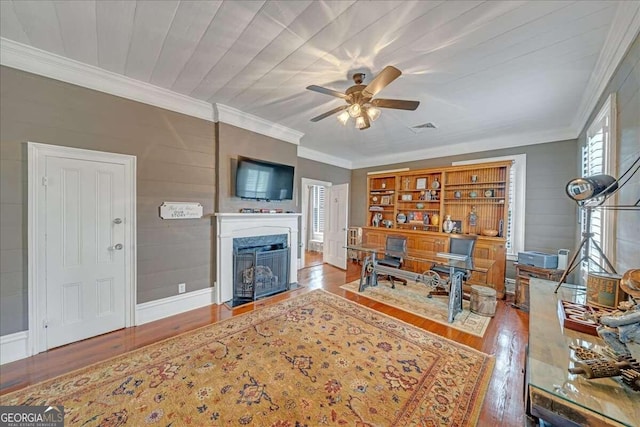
x: 376, y: 208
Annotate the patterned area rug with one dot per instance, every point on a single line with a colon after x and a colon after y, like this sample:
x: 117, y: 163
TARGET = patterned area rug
x: 317, y: 359
x: 413, y: 298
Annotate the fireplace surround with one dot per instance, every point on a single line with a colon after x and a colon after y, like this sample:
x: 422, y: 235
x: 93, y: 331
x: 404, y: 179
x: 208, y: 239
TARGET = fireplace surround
x: 230, y: 226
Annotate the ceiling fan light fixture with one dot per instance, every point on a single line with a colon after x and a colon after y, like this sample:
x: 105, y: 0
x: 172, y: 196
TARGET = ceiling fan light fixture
x: 354, y: 110
x: 343, y: 117
x: 360, y: 123
x: 373, y: 113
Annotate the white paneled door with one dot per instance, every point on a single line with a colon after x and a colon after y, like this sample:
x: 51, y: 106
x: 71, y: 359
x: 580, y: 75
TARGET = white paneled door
x: 84, y: 250
x: 335, y: 235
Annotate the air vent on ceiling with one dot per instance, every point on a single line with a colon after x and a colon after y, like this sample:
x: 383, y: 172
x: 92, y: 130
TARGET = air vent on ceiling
x: 428, y: 125
x: 422, y: 127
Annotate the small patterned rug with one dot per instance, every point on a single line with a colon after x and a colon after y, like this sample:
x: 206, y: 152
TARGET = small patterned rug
x: 317, y: 359
x: 413, y: 299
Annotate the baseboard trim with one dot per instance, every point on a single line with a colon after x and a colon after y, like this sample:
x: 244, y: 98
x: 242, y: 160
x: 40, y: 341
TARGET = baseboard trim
x: 166, y: 307
x: 14, y: 347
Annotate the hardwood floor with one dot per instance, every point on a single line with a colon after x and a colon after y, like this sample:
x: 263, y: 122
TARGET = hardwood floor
x: 505, y: 338
x: 312, y: 258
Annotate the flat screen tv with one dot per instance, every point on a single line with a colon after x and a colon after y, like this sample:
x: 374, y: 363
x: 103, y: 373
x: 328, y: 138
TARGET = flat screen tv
x: 257, y: 179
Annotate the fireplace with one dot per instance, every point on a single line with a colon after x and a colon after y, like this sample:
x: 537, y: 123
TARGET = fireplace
x: 260, y: 267
x: 232, y: 229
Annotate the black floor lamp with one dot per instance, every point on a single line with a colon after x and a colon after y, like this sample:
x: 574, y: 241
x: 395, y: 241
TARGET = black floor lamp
x: 590, y: 193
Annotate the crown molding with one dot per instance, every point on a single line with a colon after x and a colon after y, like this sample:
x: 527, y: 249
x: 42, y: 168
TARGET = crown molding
x: 475, y: 146
x: 36, y: 61
x: 235, y: 117
x: 624, y: 30
x: 307, y: 153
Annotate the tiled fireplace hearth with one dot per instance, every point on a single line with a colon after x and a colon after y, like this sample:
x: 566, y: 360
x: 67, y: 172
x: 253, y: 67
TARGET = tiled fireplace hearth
x: 262, y: 237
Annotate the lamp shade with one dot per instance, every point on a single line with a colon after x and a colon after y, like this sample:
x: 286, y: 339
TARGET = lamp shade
x: 354, y: 110
x: 343, y: 117
x: 583, y: 189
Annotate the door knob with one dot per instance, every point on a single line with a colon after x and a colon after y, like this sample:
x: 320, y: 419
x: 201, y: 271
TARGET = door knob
x: 118, y: 247
x: 117, y: 221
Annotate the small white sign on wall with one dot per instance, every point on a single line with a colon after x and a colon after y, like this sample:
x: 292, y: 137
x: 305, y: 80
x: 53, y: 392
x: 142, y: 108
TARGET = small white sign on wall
x: 180, y: 210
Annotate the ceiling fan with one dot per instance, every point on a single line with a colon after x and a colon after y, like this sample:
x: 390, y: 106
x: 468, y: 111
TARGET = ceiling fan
x: 360, y: 102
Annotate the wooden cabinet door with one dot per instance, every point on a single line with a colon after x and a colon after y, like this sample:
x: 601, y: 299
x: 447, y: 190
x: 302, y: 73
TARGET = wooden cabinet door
x: 493, y: 250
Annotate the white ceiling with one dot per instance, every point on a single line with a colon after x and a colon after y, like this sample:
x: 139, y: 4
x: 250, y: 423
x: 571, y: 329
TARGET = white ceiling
x: 487, y: 74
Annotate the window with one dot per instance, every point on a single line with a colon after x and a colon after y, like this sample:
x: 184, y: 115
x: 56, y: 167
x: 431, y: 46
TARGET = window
x: 598, y: 157
x: 514, y: 232
x: 317, y: 206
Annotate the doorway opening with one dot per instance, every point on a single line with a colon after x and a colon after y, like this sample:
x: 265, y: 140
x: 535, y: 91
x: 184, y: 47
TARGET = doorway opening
x: 313, y: 221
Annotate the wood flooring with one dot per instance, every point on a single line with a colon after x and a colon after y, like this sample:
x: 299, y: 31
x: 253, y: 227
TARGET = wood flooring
x: 506, y: 339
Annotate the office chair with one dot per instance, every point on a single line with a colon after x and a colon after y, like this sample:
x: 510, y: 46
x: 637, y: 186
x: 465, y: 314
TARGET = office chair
x: 394, y: 246
x: 459, y: 244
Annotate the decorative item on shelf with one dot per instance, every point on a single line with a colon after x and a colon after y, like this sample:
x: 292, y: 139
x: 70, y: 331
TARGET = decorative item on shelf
x: 621, y: 328
x: 473, y: 217
x: 488, y: 193
x: 385, y: 200
x: 580, y: 317
x: 383, y: 185
x: 419, y: 205
x: 407, y: 197
x: 489, y: 232
x: 425, y: 195
x: 457, y: 226
x: 407, y: 183
x: 421, y: 183
x: 434, y: 195
x: 387, y: 223
x: 410, y: 216
x: 374, y: 199
x: 435, y: 219
x: 500, y: 227
x: 473, y: 194
x: 401, y: 218
x: 604, y: 289
x: 474, y: 178
x: 417, y: 217
x: 425, y: 219
x: 447, y: 224
x: 457, y: 194
x: 376, y: 218
x: 435, y: 184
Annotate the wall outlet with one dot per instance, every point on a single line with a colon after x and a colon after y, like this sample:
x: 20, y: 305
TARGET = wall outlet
x: 182, y: 288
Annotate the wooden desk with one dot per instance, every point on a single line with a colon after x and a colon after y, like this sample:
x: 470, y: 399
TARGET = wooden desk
x: 371, y: 269
x: 554, y: 394
x: 523, y: 274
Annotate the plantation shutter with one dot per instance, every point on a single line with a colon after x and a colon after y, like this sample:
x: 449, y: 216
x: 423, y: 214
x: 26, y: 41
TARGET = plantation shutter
x: 317, y: 194
x: 509, y: 230
x: 593, y: 164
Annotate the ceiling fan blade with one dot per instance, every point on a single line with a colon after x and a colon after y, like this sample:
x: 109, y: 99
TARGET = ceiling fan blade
x: 385, y: 77
x: 326, y: 91
x: 398, y: 104
x: 329, y: 113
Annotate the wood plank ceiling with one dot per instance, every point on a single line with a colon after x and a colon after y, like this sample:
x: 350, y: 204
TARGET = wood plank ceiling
x: 490, y: 70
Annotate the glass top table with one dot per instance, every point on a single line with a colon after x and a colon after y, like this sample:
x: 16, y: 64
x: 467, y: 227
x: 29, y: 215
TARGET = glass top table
x: 555, y: 394
x: 456, y: 264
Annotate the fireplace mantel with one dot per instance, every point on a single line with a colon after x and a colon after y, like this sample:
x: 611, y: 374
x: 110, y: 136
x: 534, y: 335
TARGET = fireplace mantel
x: 232, y: 225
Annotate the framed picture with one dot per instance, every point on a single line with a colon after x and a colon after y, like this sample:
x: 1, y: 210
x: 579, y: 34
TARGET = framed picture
x: 457, y: 226
x: 421, y: 183
x: 385, y: 200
